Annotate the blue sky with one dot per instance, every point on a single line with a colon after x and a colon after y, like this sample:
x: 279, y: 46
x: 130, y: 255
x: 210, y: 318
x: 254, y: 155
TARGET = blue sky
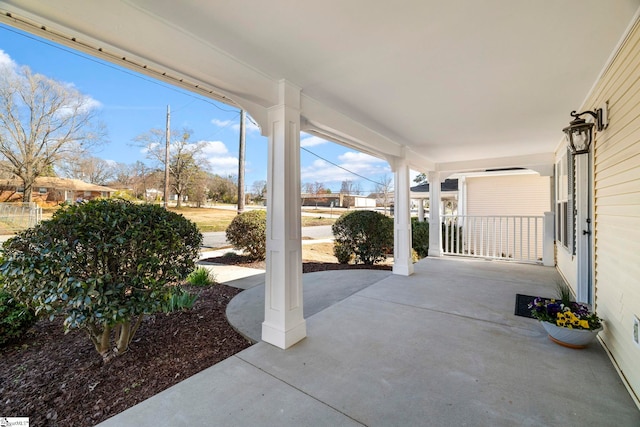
x: 131, y: 104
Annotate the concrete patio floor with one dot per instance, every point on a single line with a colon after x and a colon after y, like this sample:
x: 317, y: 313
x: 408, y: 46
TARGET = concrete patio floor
x: 439, y: 348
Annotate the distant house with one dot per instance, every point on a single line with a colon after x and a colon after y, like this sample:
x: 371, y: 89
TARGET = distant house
x: 341, y: 200
x: 53, y: 190
x: 448, y: 196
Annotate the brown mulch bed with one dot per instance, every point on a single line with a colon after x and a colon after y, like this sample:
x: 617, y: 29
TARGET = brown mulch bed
x: 307, y: 266
x: 60, y: 380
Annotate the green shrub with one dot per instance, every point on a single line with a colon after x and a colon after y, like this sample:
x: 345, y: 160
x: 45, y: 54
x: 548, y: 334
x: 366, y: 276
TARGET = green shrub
x: 343, y: 253
x: 15, y: 318
x: 179, y: 299
x: 102, y: 265
x: 420, y: 237
x: 366, y: 234
x: 201, y: 276
x: 248, y: 232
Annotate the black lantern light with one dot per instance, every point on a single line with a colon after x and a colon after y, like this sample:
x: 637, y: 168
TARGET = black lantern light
x: 580, y: 132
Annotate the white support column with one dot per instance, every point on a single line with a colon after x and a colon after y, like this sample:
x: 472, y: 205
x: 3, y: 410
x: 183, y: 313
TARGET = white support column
x: 284, y: 323
x: 434, y: 214
x: 421, y: 210
x: 402, y: 262
x: 548, y: 248
x: 462, y: 195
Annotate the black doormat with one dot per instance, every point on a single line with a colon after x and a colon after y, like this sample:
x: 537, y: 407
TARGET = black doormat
x: 522, y: 305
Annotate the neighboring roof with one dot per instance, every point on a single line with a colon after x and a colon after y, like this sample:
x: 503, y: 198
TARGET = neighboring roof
x: 59, y: 184
x: 447, y: 185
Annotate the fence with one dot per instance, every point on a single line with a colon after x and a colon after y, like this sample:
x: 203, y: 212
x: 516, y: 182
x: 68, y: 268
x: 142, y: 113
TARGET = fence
x: 19, y: 216
x: 517, y: 238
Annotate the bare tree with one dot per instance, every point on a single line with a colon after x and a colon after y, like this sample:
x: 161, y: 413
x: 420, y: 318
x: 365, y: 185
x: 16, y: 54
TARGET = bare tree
x: 198, y: 191
x: 259, y: 190
x: 123, y: 174
x: 90, y: 169
x: 383, y: 189
x: 186, y: 158
x: 41, y: 121
x: 348, y: 189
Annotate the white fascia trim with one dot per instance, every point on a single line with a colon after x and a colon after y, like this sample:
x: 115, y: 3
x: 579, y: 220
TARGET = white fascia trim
x: 418, y: 162
x: 327, y: 123
x: 493, y: 173
x: 330, y: 124
x: 44, y: 24
x: 531, y: 161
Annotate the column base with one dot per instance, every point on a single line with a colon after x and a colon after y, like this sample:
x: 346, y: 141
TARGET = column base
x: 435, y: 252
x: 402, y: 269
x: 281, y: 338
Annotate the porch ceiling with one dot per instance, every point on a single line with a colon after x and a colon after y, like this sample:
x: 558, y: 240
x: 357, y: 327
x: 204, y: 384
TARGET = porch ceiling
x: 448, y: 82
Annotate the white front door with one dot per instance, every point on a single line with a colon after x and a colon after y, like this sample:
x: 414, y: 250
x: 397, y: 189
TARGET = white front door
x: 584, y: 227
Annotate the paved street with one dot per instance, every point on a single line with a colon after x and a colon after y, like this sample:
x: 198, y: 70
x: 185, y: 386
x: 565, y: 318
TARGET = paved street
x: 217, y: 239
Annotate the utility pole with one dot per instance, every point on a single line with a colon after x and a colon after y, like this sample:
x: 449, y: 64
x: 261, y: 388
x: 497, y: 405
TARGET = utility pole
x: 241, y: 150
x: 166, y: 158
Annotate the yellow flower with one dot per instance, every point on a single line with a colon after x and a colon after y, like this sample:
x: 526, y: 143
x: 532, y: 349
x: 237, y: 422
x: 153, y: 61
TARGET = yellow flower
x: 584, y: 324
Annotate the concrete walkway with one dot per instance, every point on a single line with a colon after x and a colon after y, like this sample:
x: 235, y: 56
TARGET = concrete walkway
x: 246, y: 311
x: 439, y: 348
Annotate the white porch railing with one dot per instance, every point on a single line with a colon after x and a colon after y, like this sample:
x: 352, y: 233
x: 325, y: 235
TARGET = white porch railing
x: 515, y: 238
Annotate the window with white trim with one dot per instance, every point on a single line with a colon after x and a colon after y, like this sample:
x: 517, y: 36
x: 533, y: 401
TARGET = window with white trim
x: 565, y: 213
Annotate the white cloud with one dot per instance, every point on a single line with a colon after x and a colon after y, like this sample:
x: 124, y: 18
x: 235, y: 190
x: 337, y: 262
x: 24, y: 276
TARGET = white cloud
x: 353, y: 157
x: 250, y: 126
x: 358, y: 163
x: 221, y: 123
x: 150, y: 147
x: 311, y: 141
x: 224, y: 166
x: 214, y: 148
x: 90, y: 103
x: 217, y: 155
x: 6, y: 61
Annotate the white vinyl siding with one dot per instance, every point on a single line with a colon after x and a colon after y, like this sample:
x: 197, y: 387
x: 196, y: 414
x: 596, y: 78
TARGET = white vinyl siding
x: 508, y: 195
x: 516, y: 199
x: 617, y: 207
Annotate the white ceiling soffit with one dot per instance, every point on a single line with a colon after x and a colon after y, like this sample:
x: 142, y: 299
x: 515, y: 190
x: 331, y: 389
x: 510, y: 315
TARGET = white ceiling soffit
x: 443, y: 83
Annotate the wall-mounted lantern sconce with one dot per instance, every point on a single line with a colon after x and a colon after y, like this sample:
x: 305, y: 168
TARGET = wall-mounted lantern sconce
x: 580, y: 132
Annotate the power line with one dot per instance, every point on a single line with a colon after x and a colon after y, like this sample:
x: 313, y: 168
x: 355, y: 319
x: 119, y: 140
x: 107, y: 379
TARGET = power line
x: 343, y: 168
x: 114, y: 67
x: 231, y: 122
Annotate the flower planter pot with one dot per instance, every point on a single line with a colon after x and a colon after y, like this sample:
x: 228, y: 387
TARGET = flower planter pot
x: 572, y: 338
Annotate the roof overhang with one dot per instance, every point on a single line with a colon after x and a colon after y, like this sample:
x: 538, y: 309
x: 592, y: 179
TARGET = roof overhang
x: 446, y: 86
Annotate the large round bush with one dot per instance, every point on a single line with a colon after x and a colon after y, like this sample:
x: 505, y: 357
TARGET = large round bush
x: 420, y: 237
x: 248, y: 232
x: 15, y: 318
x: 102, y: 265
x: 368, y: 235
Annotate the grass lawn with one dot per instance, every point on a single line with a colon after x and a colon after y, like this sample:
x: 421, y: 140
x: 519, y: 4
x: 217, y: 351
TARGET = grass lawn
x: 207, y: 219
x: 212, y: 219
